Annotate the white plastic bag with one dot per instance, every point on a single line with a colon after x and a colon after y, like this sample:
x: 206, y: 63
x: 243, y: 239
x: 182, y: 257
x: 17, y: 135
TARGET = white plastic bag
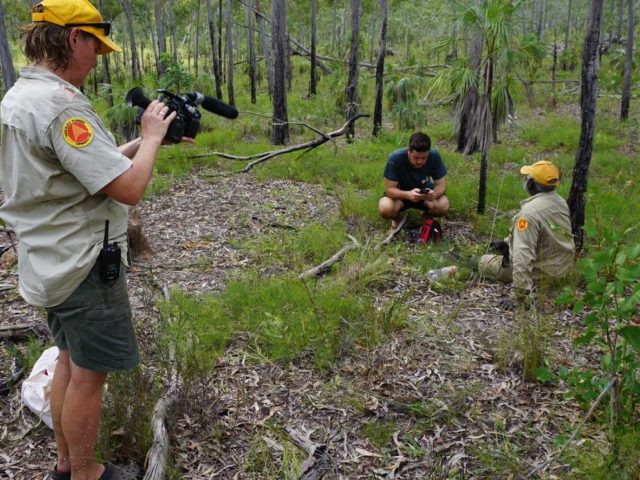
x: 36, y: 389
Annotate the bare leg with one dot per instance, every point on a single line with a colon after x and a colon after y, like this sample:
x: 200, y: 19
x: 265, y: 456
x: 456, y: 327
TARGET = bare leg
x: 61, y: 378
x: 437, y: 208
x: 390, y: 208
x: 80, y: 420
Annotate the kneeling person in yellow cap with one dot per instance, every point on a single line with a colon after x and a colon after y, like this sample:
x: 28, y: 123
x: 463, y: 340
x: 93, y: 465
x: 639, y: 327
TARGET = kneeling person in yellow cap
x: 540, y: 245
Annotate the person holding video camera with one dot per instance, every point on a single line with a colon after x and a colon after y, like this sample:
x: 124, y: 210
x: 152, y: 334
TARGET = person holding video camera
x: 64, y: 177
x: 414, y: 177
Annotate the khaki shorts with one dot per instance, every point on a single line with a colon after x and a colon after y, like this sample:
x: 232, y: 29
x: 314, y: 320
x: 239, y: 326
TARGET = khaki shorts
x: 490, y: 266
x: 95, y: 325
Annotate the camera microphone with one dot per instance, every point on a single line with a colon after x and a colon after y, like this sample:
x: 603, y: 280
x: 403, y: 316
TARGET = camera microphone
x: 135, y: 98
x: 213, y: 105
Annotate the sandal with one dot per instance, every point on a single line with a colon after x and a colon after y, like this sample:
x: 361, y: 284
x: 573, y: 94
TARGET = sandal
x: 56, y: 475
x: 120, y: 472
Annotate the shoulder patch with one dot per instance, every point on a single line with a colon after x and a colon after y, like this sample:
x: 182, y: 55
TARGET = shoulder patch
x: 522, y: 224
x: 77, y: 132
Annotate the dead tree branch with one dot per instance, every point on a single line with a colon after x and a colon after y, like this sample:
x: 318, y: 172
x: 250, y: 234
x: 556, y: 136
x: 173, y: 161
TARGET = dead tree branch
x: 324, y: 266
x: 393, y: 233
x: 157, y: 455
x: 317, y: 462
x: 263, y: 157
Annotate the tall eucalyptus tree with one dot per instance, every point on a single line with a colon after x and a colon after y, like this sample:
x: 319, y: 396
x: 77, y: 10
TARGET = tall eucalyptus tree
x: 588, y: 95
x: 229, y: 51
x: 313, y: 80
x: 252, y: 52
x: 280, y: 131
x: 352, y: 82
x: 6, y: 63
x: 215, y: 53
x: 628, y: 63
x: 135, y: 62
x: 158, y: 12
x: 382, y: 50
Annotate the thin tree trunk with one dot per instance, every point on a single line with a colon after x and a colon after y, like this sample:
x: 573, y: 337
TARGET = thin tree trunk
x: 628, y: 63
x: 467, y: 142
x: 280, y: 131
x: 6, y: 63
x: 229, y: 49
x: 619, y: 29
x: 196, y: 39
x: 566, y: 37
x: 154, y: 44
x: 588, y: 96
x: 334, y: 29
x: 135, y: 62
x: 352, y: 82
x: 174, y: 30
x: 382, y: 50
x: 162, y: 40
x: 214, y: 50
x: 554, y: 69
x: 372, y: 37
x: 252, y: 52
x: 313, y: 80
x: 611, y: 5
x: 222, y: 53
x: 266, y: 45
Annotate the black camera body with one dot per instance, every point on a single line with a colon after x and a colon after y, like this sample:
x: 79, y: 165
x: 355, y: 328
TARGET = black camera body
x: 187, y: 120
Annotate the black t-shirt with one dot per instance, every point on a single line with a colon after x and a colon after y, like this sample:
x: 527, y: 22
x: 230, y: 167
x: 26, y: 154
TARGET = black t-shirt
x: 399, y: 170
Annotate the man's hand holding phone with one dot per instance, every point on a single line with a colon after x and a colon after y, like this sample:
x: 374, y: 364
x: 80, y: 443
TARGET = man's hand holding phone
x: 428, y: 194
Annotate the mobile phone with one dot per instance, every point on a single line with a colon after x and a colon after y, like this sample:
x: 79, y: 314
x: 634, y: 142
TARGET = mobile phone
x: 425, y: 191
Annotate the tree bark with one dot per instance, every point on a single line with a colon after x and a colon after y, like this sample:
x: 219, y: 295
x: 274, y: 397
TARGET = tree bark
x: 6, y: 63
x: 566, y: 36
x: 588, y: 97
x: 466, y: 139
x: 215, y: 56
x: 196, y: 39
x: 265, y: 45
x: 619, y: 29
x: 352, y: 82
x: 252, y: 52
x: 135, y: 61
x: 382, y: 50
x: 628, y: 63
x: 313, y: 80
x: 280, y: 131
x: 229, y: 49
x: 162, y: 40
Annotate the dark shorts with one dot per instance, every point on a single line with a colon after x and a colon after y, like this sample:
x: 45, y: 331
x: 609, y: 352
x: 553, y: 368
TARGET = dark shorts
x: 95, y: 325
x: 406, y: 204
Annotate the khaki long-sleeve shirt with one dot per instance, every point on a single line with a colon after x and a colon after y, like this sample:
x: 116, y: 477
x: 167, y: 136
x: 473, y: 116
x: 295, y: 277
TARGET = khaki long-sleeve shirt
x: 541, y: 242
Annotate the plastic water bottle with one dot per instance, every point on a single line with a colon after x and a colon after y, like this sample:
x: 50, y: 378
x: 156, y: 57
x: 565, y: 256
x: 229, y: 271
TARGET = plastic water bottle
x: 442, y: 273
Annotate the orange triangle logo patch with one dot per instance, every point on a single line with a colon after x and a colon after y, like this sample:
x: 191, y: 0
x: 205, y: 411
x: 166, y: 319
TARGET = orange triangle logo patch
x: 77, y: 132
x: 522, y: 224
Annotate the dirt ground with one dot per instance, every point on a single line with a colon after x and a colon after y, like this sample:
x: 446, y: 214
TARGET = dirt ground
x: 442, y: 398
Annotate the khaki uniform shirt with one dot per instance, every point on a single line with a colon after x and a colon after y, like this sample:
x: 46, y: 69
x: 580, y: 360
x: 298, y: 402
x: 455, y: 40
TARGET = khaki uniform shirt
x: 56, y: 156
x: 541, y: 243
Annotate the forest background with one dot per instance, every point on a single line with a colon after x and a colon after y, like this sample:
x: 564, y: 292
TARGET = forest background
x: 478, y: 391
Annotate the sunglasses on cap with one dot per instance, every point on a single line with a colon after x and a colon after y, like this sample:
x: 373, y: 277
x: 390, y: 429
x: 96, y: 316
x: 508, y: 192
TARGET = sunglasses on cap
x: 106, y: 26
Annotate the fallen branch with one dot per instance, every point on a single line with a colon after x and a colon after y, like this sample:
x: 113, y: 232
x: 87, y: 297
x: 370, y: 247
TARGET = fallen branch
x: 24, y: 331
x: 324, y: 266
x: 393, y: 233
x: 317, y: 462
x: 157, y: 455
x: 263, y: 157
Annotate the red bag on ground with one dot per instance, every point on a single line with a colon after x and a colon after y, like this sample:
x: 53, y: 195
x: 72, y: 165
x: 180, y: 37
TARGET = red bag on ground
x: 431, y: 231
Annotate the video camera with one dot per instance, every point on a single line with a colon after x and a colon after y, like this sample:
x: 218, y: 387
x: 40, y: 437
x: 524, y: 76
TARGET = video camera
x: 187, y: 120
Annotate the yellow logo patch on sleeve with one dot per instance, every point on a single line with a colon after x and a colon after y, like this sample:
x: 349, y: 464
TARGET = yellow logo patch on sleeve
x: 77, y: 132
x: 522, y: 224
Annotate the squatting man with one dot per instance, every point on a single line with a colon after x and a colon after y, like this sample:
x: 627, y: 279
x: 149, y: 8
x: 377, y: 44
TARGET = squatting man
x: 414, y: 177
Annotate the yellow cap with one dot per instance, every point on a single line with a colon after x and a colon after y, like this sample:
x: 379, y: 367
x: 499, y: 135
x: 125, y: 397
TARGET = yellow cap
x: 75, y: 13
x: 543, y: 172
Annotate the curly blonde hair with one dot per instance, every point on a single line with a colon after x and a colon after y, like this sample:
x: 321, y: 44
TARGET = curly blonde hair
x: 47, y: 42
